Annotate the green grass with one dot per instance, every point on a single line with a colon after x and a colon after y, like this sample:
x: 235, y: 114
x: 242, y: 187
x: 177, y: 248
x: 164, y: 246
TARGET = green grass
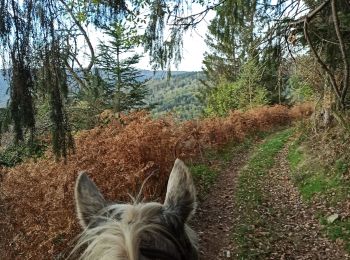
x: 229, y: 151
x: 249, y: 196
x: 341, y: 166
x: 295, y: 156
x: 314, y: 179
x: 203, y: 175
x: 340, y: 229
x: 215, y: 161
x: 318, y: 184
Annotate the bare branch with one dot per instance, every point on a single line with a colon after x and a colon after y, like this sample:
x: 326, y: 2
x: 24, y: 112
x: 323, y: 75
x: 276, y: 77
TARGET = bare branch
x: 319, y: 60
x: 75, y: 75
x: 310, y: 15
x: 194, y: 19
x: 92, y: 52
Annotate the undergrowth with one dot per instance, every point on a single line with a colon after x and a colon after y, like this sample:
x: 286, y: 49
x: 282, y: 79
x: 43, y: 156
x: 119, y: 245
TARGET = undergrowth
x: 17, y: 153
x: 321, y: 174
x: 118, y: 156
x: 249, y: 195
x: 338, y: 230
x: 204, y: 176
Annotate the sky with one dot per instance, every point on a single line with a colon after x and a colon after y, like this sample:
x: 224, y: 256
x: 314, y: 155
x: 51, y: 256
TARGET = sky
x: 194, y: 46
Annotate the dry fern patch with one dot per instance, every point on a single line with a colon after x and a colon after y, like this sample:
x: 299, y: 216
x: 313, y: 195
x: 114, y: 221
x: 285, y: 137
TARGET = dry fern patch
x: 36, y: 204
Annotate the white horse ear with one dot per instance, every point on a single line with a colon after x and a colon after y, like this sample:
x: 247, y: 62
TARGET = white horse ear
x: 88, y: 199
x: 180, y: 197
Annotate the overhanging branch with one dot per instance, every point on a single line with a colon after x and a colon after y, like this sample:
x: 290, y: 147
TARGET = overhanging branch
x: 310, y: 15
x: 319, y: 60
x: 82, y: 30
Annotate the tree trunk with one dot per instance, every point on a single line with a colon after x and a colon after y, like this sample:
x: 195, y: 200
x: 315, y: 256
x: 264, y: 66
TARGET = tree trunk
x: 119, y: 84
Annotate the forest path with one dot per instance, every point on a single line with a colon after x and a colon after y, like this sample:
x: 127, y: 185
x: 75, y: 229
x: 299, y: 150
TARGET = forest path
x: 213, y: 220
x: 261, y: 215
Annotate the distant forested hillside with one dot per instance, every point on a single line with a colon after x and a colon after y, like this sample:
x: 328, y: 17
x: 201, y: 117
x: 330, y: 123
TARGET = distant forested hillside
x: 178, y: 94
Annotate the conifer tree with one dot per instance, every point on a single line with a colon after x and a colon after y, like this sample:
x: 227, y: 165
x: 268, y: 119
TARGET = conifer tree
x: 122, y: 79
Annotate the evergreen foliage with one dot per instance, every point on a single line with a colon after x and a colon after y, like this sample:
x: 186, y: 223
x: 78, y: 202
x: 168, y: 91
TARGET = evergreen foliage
x: 243, y: 31
x: 52, y: 81
x: 21, y: 105
x: 121, y: 79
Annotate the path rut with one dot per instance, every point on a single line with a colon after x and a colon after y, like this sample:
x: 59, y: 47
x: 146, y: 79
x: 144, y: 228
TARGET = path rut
x: 294, y: 232
x: 214, y: 217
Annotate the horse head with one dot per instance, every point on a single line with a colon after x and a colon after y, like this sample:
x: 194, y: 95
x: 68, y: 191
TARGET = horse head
x: 138, y: 231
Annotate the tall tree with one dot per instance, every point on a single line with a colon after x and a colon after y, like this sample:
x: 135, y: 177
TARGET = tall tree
x: 122, y: 79
x: 325, y: 30
x: 244, y: 93
x: 38, y: 39
x: 243, y: 31
x: 231, y: 39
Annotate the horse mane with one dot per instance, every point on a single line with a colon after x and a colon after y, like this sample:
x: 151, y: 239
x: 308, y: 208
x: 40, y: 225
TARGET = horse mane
x: 117, y: 239
x: 137, y: 230
x: 118, y: 236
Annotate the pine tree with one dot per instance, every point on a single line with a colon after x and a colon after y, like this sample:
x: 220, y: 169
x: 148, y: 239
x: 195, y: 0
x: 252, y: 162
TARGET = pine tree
x: 236, y: 37
x: 121, y: 78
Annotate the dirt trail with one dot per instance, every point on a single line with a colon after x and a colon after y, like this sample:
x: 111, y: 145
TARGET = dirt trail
x: 294, y: 232
x: 214, y: 216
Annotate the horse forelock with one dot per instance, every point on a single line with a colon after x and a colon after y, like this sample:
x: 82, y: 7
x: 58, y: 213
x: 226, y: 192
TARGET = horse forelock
x: 119, y: 230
